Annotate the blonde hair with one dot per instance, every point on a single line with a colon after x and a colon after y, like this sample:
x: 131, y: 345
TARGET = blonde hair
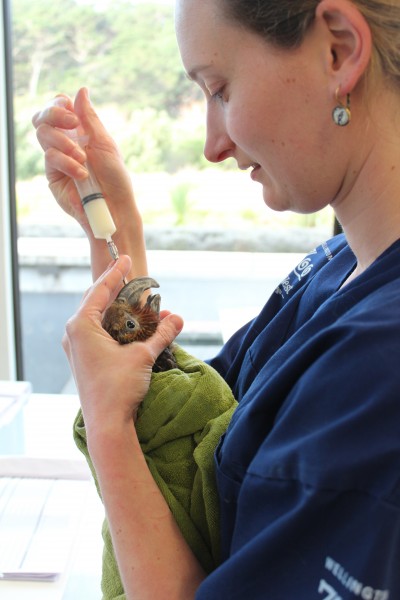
x: 285, y: 23
x: 383, y: 17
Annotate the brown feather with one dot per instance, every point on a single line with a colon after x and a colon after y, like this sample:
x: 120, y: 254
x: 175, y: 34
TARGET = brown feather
x: 127, y: 323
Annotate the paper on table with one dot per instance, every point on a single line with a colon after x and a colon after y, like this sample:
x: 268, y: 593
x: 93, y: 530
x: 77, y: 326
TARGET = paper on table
x: 23, y: 576
x: 39, y: 520
x: 45, y: 468
x: 13, y: 395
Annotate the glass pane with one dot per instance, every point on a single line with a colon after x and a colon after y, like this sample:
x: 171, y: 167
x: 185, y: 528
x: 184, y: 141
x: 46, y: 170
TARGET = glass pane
x: 214, y: 246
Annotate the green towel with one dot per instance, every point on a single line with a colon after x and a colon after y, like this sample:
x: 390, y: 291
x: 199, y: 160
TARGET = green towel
x: 179, y: 425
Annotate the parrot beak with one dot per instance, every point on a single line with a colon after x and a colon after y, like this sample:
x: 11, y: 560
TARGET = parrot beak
x: 133, y: 291
x: 154, y: 302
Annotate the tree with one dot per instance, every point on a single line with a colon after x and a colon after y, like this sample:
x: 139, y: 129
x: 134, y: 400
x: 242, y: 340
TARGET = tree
x: 48, y: 42
x: 126, y: 54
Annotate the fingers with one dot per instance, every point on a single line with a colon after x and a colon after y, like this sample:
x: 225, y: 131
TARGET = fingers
x: 168, y: 329
x: 106, y: 288
x: 88, y: 317
x: 86, y: 113
x: 99, y: 297
x: 65, y: 159
x: 59, y: 112
x: 94, y: 356
x: 64, y: 114
x: 62, y: 154
x: 91, y: 122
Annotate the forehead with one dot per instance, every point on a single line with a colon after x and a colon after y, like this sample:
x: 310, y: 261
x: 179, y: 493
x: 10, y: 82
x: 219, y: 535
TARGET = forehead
x: 202, y: 32
x: 211, y: 43
x: 195, y: 18
x: 188, y: 12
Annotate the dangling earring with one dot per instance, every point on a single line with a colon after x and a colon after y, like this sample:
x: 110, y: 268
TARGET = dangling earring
x: 341, y: 114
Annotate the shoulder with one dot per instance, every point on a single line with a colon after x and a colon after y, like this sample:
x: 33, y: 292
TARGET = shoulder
x: 283, y: 300
x: 331, y: 388
x: 334, y: 248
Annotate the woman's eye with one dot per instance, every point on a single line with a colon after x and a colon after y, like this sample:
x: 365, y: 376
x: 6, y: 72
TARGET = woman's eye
x: 130, y: 325
x: 219, y: 95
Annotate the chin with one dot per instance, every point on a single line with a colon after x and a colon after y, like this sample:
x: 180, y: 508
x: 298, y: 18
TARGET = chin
x: 275, y: 201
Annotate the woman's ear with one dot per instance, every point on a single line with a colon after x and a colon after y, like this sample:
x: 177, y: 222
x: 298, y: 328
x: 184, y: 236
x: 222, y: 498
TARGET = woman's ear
x: 350, y: 42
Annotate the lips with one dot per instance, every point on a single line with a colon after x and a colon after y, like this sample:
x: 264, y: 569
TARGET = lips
x: 244, y: 167
x: 255, y: 169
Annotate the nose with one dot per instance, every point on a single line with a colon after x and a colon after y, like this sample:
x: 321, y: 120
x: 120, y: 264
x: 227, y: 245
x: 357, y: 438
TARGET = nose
x: 218, y: 146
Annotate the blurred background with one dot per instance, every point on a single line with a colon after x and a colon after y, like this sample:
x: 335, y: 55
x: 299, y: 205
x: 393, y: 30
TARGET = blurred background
x: 215, y: 248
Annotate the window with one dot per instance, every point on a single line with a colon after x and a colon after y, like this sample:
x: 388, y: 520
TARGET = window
x: 125, y: 52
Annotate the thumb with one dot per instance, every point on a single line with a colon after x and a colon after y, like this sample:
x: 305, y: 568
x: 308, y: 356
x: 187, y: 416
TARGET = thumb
x: 90, y: 121
x: 166, y: 332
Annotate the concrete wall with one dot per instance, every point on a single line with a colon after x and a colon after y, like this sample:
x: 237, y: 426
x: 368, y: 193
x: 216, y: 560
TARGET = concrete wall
x: 215, y: 292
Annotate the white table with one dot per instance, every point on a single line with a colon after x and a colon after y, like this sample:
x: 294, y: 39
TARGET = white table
x: 48, y: 422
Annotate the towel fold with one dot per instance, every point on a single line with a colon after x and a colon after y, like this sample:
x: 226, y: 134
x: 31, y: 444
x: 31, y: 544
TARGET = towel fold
x: 179, y: 424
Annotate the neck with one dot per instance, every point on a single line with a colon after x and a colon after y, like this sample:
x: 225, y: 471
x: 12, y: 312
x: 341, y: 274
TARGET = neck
x: 373, y: 228
x: 368, y: 207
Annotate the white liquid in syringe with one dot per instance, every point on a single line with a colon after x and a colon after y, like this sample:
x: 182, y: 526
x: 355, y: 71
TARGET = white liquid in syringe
x: 99, y: 217
x: 94, y: 204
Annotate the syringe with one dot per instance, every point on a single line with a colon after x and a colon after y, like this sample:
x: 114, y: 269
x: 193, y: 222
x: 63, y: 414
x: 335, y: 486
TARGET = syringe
x: 93, y: 202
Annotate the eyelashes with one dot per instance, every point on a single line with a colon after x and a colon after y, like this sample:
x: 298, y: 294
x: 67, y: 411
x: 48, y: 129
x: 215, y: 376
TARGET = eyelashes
x: 219, y: 95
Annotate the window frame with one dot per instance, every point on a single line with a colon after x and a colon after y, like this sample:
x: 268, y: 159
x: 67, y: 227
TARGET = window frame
x: 11, y: 363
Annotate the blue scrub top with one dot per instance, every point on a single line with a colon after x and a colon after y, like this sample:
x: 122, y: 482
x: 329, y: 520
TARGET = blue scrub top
x: 308, y: 471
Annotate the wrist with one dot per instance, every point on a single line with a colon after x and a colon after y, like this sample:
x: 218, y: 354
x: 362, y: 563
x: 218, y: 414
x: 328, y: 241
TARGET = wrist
x: 107, y: 439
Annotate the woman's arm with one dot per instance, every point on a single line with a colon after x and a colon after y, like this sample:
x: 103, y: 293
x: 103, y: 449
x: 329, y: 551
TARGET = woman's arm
x: 64, y: 161
x: 153, y: 558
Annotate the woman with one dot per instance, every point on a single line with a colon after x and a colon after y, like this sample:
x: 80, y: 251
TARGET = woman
x: 306, y: 94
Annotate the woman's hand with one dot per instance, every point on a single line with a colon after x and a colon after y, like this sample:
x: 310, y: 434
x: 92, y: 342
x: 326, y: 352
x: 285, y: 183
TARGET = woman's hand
x: 64, y: 157
x: 64, y: 161
x: 112, y: 380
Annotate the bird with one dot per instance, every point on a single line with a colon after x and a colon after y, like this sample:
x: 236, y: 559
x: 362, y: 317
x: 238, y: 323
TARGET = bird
x: 128, y: 320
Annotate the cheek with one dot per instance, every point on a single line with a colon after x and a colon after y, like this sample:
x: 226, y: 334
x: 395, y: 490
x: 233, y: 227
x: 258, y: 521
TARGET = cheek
x: 259, y: 122
x: 246, y: 127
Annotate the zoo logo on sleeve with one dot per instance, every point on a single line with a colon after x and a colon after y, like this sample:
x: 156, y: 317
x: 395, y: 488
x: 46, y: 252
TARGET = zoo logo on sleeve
x: 350, y: 583
x: 301, y: 271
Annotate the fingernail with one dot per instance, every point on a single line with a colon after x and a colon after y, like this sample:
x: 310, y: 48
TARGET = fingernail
x: 87, y: 94
x: 177, y: 322
x: 60, y: 101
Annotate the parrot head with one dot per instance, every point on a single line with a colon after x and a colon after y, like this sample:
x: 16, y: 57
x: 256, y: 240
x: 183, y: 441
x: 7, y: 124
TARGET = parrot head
x: 127, y: 319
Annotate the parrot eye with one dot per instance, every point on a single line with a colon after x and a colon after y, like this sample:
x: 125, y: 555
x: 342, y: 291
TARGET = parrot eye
x: 130, y: 325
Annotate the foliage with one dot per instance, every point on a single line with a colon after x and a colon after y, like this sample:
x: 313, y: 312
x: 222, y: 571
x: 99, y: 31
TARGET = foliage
x: 146, y: 140
x: 28, y: 161
x: 181, y: 202
x: 127, y: 55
